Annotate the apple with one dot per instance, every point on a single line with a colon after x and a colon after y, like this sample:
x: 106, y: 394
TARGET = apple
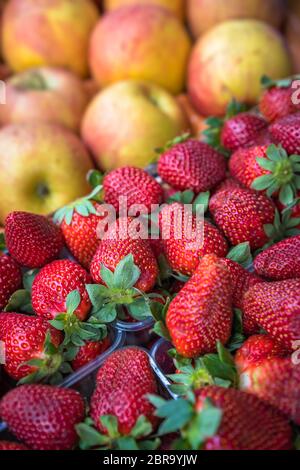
x: 53, y: 33
x: 293, y: 33
x: 175, y: 6
x: 126, y: 122
x: 205, y: 14
x: 229, y: 61
x: 45, y: 95
x: 42, y: 167
x: 141, y: 42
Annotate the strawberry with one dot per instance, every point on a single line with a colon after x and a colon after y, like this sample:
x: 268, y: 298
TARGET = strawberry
x: 267, y: 168
x: 280, y: 261
x: 134, y: 184
x: 42, y: 416
x: 201, y: 314
x: 276, y: 381
x: 275, y: 306
x: 31, y: 239
x: 276, y: 101
x: 241, y: 130
x: 286, y: 131
x: 256, y: 350
x: 25, y: 340
x: 7, y: 445
x: 121, y: 387
x: 120, y: 241
x: 52, y: 285
x: 90, y: 351
x: 10, y: 278
x: 219, y: 418
x: 192, y: 165
x: 184, y: 248
x: 79, y: 222
x: 241, y: 214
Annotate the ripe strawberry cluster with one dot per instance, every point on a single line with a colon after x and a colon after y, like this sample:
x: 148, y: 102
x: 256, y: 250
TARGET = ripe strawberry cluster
x: 229, y: 303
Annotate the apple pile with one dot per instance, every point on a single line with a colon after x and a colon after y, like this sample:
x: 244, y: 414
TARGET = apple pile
x: 150, y: 172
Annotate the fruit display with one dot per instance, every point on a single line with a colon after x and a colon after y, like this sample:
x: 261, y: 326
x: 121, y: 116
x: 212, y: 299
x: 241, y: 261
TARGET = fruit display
x: 149, y: 226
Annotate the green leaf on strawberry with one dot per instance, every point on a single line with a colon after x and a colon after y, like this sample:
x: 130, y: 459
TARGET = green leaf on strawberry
x: 241, y: 254
x: 2, y: 242
x: 177, y: 140
x: 268, y: 82
x: 20, y: 301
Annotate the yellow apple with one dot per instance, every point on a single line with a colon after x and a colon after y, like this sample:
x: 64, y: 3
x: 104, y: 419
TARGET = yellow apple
x: 293, y: 33
x: 126, y: 122
x: 42, y: 167
x: 55, y: 33
x: 205, y: 14
x: 229, y: 61
x: 142, y: 43
x: 45, y: 95
x: 176, y: 6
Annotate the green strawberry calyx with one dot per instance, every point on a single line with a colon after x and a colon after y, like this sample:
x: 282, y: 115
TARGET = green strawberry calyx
x: 181, y: 415
x: 138, y: 439
x: 76, y: 332
x: 52, y: 366
x: 171, y: 143
x: 284, y: 226
x: 241, y: 254
x: 268, y: 82
x: 83, y: 206
x: 109, y: 300
x: 283, y: 174
x: 20, y: 301
x: 2, y: 242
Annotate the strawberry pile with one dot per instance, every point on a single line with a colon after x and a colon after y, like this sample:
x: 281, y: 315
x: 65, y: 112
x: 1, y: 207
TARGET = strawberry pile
x: 210, y: 251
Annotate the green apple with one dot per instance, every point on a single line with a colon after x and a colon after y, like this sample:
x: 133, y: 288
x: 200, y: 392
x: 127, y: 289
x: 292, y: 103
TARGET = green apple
x: 42, y: 167
x: 126, y: 122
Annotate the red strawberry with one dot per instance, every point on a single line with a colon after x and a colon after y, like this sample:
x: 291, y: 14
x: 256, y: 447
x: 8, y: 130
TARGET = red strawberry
x: 247, y: 422
x: 201, y: 314
x: 256, y: 350
x: 10, y: 278
x: 267, y: 168
x: 89, y: 352
x: 276, y: 381
x: 120, y: 241
x: 7, y: 445
x: 275, y: 306
x: 241, y: 130
x: 184, y: 248
x: 286, y: 131
x: 32, y: 240
x: 241, y: 213
x: 24, y: 337
x: 121, y: 387
x: 43, y: 417
x: 276, y: 101
x: 281, y: 261
x: 192, y: 165
x: 134, y: 184
x: 52, y: 285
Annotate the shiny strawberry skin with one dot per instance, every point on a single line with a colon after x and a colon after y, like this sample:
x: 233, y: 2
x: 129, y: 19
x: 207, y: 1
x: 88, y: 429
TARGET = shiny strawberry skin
x: 10, y: 278
x: 244, y: 167
x: 42, y: 416
x: 182, y: 253
x: 241, y: 130
x: 31, y: 239
x: 275, y: 306
x: 256, y: 350
x: 281, y: 261
x: 52, y: 285
x: 135, y: 184
x: 117, y: 244
x: 286, y: 131
x: 192, y: 165
x: 276, y: 103
x: 8, y: 445
x: 277, y: 382
x: 264, y: 428
x: 121, y: 387
x: 81, y: 236
x: 24, y: 337
x: 201, y: 313
x: 90, y: 351
x: 241, y: 214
